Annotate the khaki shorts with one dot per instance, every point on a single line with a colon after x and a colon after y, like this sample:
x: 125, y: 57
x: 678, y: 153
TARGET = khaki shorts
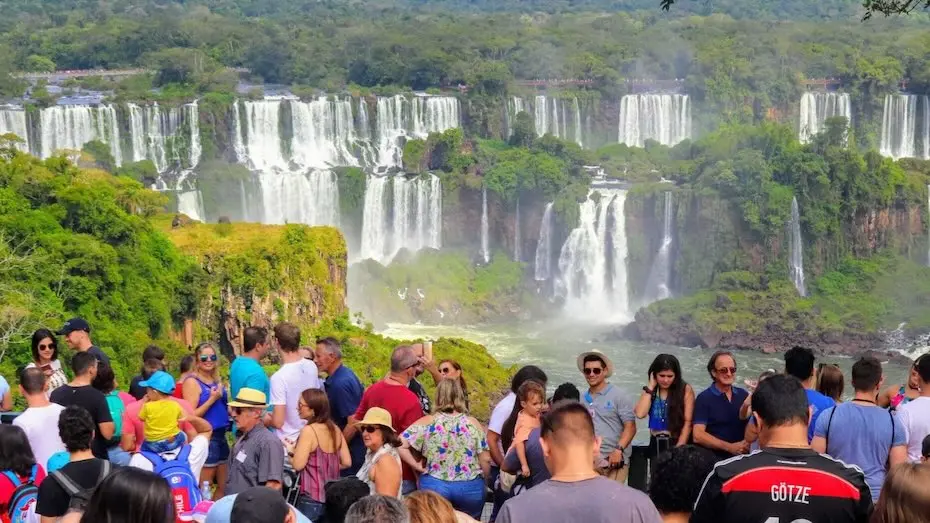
x: 618, y: 475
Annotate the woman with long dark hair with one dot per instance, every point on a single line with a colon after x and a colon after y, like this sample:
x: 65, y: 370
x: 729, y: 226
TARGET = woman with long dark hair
x: 17, y: 463
x: 45, y: 357
x: 668, y: 400
x: 131, y: 495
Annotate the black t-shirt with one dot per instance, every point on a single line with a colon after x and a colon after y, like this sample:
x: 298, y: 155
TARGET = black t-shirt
x: 135, y: 390
x: 94, y: 402
x: 99, y: 354
x: 418, y: 389
x: 783, y: 485
x: 53, y: 499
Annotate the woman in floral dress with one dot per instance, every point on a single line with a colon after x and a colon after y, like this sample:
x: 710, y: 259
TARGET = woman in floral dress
x: 454, y: 450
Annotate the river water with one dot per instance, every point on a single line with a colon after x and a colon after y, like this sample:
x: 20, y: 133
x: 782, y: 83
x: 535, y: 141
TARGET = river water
x: 554, y: 347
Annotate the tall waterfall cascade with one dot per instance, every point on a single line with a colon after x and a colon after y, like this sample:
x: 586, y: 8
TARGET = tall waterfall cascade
x: 543, y: 265
x: 796, y: 250
x: 906, y: 126
x: 517, y: 239
x: 485, y: 233
x: 816, y: 108
x: 665, y: 118
x: 560, y: 117
x: 72, y: 126
x: 169, y: 137
x: 408, y: 215
x: 658, y: 284
x: 13, y: 121
x: 592, y: 263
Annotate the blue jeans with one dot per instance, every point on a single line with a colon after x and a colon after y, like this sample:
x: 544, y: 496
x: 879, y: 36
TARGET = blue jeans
x: 118, y: 456
x: 165, y: 445
x: 465, y: 496
x: 407, y: 487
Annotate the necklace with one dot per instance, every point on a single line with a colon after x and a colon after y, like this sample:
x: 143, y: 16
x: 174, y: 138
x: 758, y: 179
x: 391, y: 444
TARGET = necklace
x: 864, y: 401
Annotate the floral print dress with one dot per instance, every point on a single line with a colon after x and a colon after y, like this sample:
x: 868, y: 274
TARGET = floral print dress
x: 451, y: 445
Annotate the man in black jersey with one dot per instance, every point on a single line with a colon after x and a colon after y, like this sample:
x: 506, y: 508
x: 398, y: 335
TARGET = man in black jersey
x: 786, y: 482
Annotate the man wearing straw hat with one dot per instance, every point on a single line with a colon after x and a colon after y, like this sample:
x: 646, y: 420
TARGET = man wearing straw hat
x: 257, y: 457
x: 612, y: 411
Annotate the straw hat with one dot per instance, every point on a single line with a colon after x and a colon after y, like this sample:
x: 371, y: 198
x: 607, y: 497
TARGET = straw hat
x: 377, y: 416
x: 249, y: 398
x: 600, y: 355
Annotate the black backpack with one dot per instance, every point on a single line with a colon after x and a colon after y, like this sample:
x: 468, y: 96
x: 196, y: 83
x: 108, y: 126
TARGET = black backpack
x: 79, y: 496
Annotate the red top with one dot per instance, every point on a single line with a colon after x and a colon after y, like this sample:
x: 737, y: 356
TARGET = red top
x: 403, y: 405
x: 7, y: 488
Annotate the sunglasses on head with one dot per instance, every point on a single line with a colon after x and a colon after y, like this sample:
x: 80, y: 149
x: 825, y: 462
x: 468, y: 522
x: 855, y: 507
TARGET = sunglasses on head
x: 205, y: 358
x: 593, y: 370
x: 726, y: 370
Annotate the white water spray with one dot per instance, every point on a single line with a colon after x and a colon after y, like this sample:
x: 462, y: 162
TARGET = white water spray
x: 796, y: 253
x: 543, y: 268
x: 665, y: 118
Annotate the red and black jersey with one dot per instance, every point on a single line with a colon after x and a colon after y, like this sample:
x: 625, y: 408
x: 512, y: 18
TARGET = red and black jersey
x: 783, y: 486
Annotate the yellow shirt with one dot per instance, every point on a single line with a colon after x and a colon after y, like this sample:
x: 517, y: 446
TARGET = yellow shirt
x: 161, y: 419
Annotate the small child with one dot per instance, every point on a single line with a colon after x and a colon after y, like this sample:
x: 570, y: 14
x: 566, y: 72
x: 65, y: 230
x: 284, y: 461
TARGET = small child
x: 532, y: 397
x: 161, y: 415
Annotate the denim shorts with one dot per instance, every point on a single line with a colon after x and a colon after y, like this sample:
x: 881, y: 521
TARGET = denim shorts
x: 219, y: 449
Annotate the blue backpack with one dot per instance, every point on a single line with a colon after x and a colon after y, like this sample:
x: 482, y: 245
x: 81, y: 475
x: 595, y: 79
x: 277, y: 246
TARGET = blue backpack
x: 177, y: 472
x: 22, y: 505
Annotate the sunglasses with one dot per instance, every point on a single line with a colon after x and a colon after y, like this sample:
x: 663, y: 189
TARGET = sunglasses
x: 49, y: 347
x: 726, y: 370
x: 206, y: 358
x: 596, y: 371
x: 371, y: 429
x: 445, y: 370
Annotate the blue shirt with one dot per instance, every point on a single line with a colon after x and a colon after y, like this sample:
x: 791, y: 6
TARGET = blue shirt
x: 861, y: 435
x: 221, y: 511
x: 720, y: 415
x: 247, y: 373
x: 344, y: 391
x: 820, y: 403
x: 535, y: 459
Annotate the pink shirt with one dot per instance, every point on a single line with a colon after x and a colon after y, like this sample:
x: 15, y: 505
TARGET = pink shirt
x: 131, y: 419
x: 525, y: 425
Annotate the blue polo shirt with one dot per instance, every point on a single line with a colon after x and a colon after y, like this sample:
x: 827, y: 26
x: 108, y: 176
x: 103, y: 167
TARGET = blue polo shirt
x: 820, y: 403
x: 720, y: 415
x: 344, y: 391
x: 247, y: 373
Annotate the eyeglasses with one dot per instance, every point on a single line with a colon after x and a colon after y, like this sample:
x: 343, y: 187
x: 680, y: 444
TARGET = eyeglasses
x: 445, y: 370
x: 726, y: 370
x: 206, y: 358
x: 371, y: 429
x: 593, y: 370
x: 49, y: 347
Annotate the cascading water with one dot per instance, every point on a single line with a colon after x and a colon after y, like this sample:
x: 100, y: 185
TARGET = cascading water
x: 592, y: 263
x: 578, y: 129
x: 543, y: 268
x: 13, y: 121
x: 262, y: 141
x: 816, y: 108
x: 906, y: 126
x: 541, y: 115
x: 658, y: 285
x: 192, y: 119
x: 72, y: 126
x: 310, y: 198
x: 434, y: 114
x: 413, y: 221
x: 551, y: 117
x: 485, y: 241
x: 517, y: 247
x: 514, y: 107
x: 665, y: 118
x: 796, y: 253
x: 323, y: 133
x: 169, y: 137
x: 191, y: 204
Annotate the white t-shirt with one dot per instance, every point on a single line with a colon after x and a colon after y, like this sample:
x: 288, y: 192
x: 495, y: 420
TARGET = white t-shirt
x: 4, y: 387
x: 41, y: 428
x: 286, y: 387
x: 915, y: 417
x: 200, y: 448
x: 500, y: 414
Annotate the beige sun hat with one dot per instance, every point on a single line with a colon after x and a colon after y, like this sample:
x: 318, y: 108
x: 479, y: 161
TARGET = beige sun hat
x: 249, y: 398
x: 600, y: 355
x: 377, y: 416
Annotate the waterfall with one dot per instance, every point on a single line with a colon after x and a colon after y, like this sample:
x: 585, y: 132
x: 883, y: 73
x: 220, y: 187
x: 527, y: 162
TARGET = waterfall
x: 541, y: 115
x: 155, y: 135
x: 796, y: 254
x: 413, y: 222
x: 390, y: 125
x: 517, y: 248
x: 816, y: 108
x: 323, y: 133
x: 665, y: 118
x: 309, y: 198
x: 238, y: 142
x: 658, y: 285
x: 72, y: 126
x: 262, y: 141
x: 191, y: 204
x: 434, y: 114
x: 592, y: 263
x: 514, y: 107
x: 544, y: 246
x: 901, y: 137
x: 485, y: 247
x: 578, y: 134
x: 14, y: 121
x: 195, y: 150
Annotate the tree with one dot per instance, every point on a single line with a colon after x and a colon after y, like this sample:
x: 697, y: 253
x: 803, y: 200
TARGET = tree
x: 885, y: 7
x: 39, y: 64
x: 100, y: 155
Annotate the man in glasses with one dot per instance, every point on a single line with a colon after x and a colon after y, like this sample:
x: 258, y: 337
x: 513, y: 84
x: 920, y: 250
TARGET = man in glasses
x: 257, y: 457
x: 717, y: 423
x: 612, y: 411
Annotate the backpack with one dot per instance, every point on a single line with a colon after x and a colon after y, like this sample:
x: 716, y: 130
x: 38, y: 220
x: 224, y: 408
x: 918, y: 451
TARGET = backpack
x: 117, y: 408
x: 184, y: 488
x: 80, y: 496
x: 22, y: 505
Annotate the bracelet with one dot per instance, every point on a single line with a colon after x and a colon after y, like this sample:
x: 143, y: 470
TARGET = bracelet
x: 647, y: 390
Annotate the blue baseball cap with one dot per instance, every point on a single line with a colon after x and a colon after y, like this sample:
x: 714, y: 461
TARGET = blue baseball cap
x: 74, y: 324
x: 160, y: 381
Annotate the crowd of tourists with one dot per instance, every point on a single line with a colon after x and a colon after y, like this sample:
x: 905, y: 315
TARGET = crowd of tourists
x: 311, y: 443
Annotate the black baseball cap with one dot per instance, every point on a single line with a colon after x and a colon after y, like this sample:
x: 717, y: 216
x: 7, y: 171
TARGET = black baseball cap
x: 259, y: 505
x: 925, y: 446
x: 74, y: 324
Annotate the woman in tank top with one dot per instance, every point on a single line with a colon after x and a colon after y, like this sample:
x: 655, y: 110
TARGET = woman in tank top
x: 320, y: 453
x: 897, y: 395
x: 205, y: 392
x: 668, y: 401
x: 381, y: 470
